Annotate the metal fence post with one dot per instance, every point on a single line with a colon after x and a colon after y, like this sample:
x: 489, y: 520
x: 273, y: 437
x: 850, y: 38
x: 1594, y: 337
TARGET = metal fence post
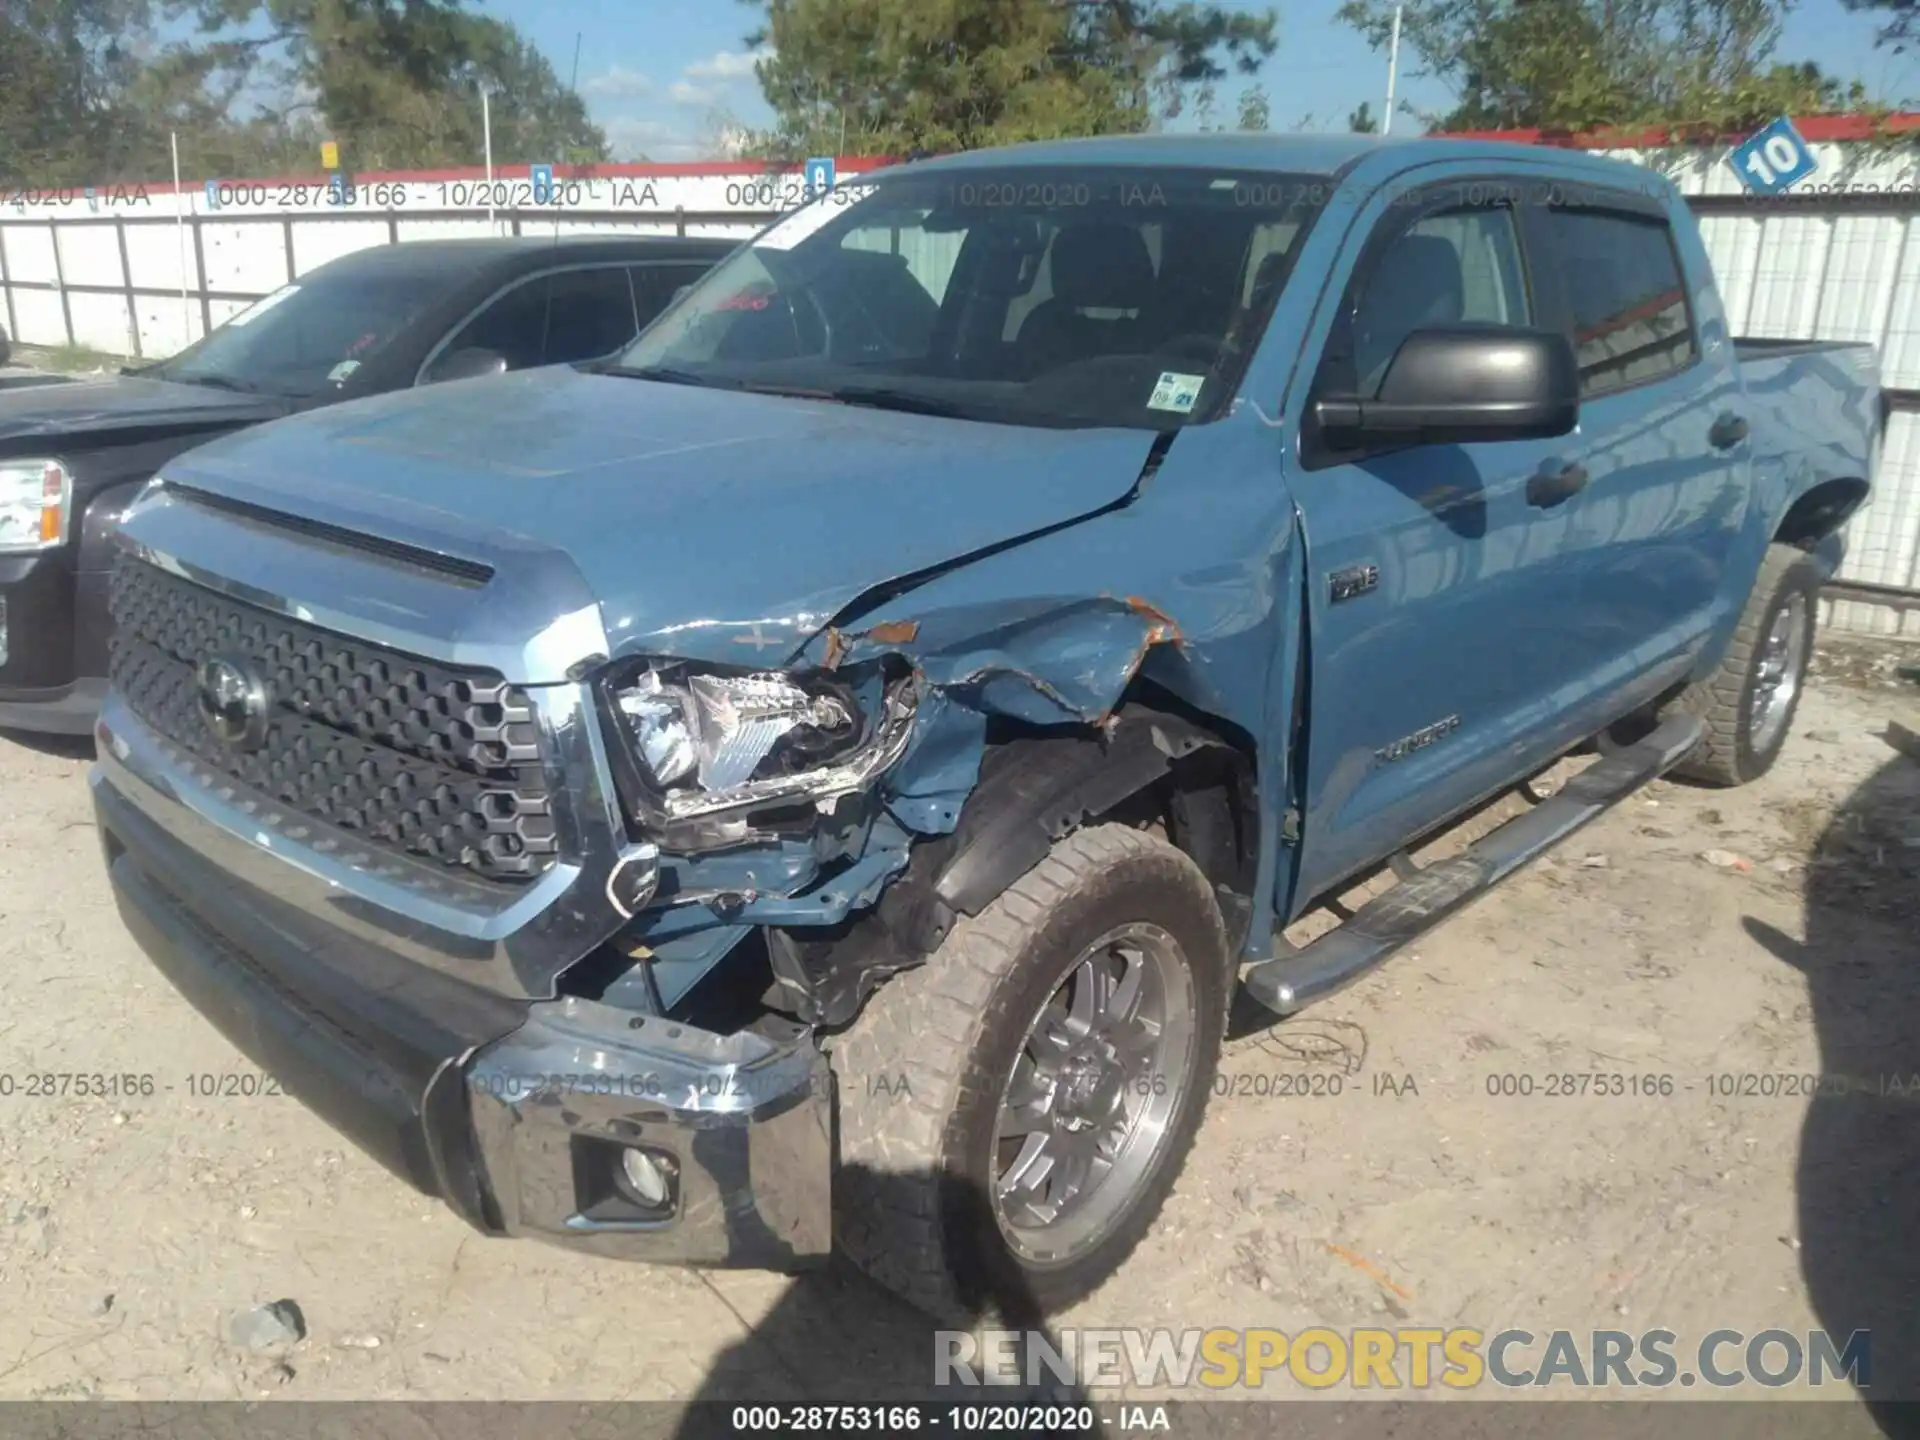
x: 126, y: 279
x: 6, y: 289
x: 60, y: 279
x: 200, y: 276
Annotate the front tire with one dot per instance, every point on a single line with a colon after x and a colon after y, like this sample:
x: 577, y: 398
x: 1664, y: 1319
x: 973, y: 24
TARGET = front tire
x: 1013, y: 1112
x: 1748, y: 703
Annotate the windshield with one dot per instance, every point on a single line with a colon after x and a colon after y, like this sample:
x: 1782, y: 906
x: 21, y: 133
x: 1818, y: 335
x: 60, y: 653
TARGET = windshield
x: 1092, y: 296
x: 307, y: 337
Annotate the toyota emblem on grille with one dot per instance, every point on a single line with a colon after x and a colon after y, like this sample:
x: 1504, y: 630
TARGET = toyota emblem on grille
x: 235, y: 702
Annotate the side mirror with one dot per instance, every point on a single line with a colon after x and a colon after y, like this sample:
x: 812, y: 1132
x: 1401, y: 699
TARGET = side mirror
x: 468, y: 364
x: 1464, y: 383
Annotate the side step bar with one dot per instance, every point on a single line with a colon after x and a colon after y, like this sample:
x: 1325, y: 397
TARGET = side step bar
x: 1289, y: 982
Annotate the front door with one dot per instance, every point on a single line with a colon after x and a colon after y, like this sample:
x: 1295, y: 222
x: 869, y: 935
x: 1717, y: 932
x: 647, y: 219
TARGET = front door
x: 1435, y: 608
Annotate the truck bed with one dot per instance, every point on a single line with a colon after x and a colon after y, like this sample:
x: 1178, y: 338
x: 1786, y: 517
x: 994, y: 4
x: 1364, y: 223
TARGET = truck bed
x: 1748, y: 348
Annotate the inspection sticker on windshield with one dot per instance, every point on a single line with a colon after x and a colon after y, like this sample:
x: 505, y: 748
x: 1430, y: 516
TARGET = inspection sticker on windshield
x: 255, y: 311
x: 1176, y: 392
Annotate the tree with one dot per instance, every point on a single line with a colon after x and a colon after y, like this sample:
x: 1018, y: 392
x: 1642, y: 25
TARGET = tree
x: 888, y: 76
x: 1702, y: 65
x: 1903, y: 20
x: 396, y: 82
x: 1361, y: 121
x: 1256, y: 109
x: 67, y: 70
x: 1205, y: 108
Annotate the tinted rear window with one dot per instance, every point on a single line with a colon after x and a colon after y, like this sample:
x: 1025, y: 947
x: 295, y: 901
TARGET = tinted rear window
x: 1629, y: 298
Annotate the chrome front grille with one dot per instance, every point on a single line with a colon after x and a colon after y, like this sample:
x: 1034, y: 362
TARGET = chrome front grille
x: 403, y: 754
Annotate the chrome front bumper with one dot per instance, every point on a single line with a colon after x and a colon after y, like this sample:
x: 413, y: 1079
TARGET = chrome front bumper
x: 742, y: 1122
x: 512, y: 1109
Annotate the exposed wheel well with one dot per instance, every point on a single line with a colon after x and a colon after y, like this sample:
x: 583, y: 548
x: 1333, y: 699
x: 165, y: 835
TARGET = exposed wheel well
x: 1155, y: 764
x: 1820, y: 512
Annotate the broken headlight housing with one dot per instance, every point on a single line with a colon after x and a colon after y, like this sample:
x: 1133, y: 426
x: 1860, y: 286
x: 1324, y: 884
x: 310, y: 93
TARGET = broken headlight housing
x: 701, y: 750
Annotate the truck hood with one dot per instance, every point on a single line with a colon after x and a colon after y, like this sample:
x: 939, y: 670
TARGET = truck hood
x: 698, y: 520
x: 77, y: 409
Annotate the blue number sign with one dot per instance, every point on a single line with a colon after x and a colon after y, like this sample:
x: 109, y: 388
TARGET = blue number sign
x: 542, y: 176
x: 1773, y: 159
x: 819, y: 175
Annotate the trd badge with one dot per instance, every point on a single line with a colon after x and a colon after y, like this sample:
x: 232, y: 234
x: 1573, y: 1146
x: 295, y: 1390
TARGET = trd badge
x: 1353, y: 580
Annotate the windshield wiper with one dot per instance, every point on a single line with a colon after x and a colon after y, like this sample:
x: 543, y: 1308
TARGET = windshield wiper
x: 665, y: 374
x: 668, y: 375
x: 880, y: 397
x: 220, y: 382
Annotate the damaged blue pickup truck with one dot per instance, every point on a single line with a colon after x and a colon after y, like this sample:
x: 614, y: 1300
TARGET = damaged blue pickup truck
x: 820, y: 780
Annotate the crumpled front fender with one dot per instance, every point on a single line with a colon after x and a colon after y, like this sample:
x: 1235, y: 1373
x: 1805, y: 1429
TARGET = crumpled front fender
x: 1134, y: 637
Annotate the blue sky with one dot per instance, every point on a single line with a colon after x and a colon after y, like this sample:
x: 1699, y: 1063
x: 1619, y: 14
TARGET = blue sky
x: 660, y: 75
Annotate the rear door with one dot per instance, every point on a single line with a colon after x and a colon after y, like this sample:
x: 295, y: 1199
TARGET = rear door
x: 589, y: 314
x: 1650, y: 537
x: 552, y: 318
x: 1435, y: 602
x: 655, y: 285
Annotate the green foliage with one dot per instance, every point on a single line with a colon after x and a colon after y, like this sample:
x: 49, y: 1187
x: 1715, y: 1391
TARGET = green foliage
x: 1361, y: 121
x: 1704, y: 66
x: 397, y: 82
x: 72, y: 359
x: 88, y: 93
x: 891, y: 76
x: 1256, y: 108
x: 67, y: 72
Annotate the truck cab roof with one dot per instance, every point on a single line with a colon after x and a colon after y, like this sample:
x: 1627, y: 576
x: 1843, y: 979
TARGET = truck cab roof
x: 1328, y: 155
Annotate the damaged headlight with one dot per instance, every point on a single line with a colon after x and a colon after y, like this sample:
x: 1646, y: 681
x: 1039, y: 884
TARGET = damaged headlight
x: 706, y: 744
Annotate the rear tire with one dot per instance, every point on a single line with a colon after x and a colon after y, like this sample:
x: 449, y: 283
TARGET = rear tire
x: 938, y: 1084
x: 1748, y: 703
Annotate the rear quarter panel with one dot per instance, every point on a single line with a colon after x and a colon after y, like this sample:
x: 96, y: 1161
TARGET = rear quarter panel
x: 1816, y: 418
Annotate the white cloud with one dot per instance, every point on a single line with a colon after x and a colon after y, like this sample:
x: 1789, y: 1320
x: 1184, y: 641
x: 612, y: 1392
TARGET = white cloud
x: 727, y: 65
x: 619, y: 81
x: 685, y: 92
x: 632, y: 136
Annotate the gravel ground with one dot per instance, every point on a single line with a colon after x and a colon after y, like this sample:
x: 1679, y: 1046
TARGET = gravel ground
x: 1694, y: 934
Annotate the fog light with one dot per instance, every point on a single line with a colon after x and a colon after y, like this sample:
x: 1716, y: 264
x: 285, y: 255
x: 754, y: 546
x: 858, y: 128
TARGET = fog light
x: 647, y: 1176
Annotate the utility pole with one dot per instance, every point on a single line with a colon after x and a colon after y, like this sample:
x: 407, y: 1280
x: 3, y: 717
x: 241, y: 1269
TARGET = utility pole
x: 486, y: 135
x: 573, y: 81
x: 180, y: 229
x: 1393, y: 70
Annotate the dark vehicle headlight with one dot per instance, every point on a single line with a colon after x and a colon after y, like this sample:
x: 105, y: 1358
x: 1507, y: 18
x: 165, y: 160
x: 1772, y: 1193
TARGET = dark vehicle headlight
x: 701, y: 745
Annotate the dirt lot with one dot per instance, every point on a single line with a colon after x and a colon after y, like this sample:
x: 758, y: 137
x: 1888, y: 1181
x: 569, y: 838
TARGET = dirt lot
x: 130, y: 1229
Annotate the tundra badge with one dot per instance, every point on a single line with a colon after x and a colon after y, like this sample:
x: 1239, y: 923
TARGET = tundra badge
x: 1419, y: 739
